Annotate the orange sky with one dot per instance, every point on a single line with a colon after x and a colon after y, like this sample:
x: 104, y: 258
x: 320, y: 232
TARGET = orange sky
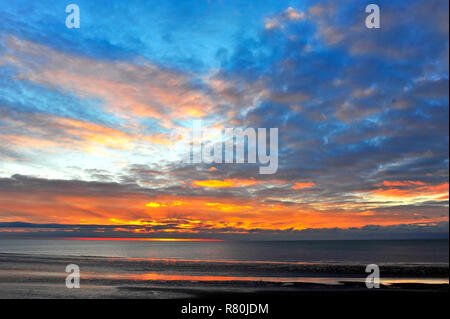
x: 193, y: 214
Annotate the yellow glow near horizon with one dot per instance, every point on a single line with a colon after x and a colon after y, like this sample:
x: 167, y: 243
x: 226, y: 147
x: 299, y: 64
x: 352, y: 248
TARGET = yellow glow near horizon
x: 140, y: 239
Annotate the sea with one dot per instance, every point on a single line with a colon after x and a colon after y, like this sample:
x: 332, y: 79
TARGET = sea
x: 339, y: 251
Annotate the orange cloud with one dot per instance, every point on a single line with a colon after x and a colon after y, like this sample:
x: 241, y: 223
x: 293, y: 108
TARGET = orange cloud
x: 421, y: 191
x: 228, y: 207
x: 49, y: 132
x: 408, y: 193
x: 225, y: 183
x: 175, y: 213
x: 166, y: 204
x: 139, y: 90
x: 303, y: 185
x: 290, y: 14
x: 402, y: 183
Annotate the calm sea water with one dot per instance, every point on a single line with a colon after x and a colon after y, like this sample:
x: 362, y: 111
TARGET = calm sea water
x: 365, y: 251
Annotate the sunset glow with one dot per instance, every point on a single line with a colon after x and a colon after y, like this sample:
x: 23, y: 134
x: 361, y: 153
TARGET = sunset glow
x: 95, y: 121
x: 141, y: 239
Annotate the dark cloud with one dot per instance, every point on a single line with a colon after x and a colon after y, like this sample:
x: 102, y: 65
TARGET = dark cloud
x: 402, y: 231
x: 353, y: 106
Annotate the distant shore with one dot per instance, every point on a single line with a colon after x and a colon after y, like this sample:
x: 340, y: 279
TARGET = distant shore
x: 43, y: 276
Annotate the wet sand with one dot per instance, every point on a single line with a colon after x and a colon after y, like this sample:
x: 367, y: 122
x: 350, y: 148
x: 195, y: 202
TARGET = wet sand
x: 39, y: 276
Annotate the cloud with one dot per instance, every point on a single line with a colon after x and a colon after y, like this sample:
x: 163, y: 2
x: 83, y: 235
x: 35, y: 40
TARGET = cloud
x: 432, y: 192
x: 410, y: 231
x: 92, y: 122
x: 303, y: 185
x: 288, y: 15
x: 140, y: 90
x: 225, y: 183
x: 403, y: 27
x: 188, y: 209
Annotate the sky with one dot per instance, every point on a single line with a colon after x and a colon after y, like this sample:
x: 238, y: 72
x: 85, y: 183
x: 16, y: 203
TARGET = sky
x: 93, y: 119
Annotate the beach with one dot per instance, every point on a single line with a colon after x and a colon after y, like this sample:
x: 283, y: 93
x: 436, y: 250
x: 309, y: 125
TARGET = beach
x: 44, y: 276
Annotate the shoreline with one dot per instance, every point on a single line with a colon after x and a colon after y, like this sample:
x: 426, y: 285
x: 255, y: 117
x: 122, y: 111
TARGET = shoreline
x: 419, y: 270
x: 224, y: 261
x: 43, y: 276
